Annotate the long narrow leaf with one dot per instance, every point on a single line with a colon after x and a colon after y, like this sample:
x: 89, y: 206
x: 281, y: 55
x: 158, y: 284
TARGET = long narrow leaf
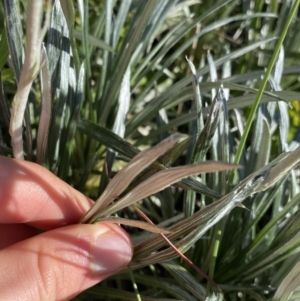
x: 288, y: 285
x: 124, y: 177
x: 164, y: 179
x: 45, y: 116
x: 137, y: 224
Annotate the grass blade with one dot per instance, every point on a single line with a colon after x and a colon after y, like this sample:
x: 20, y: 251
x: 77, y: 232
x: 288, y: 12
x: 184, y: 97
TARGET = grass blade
x: 263, y: 85
x: 14, y: 35
x: 288, y: 285
x: 124, y: 177
x: 29, y: 72
x: 45, y: 115
x: 162, y: 180
x: 134, y: 223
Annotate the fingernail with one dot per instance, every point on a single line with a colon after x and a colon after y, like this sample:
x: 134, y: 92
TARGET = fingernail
x: 110, y: 252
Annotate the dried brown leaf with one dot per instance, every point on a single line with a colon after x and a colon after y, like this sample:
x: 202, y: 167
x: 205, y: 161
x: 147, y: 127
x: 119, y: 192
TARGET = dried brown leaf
x: 164, y: 179
x: 134, y: 223
x: 125, y: 176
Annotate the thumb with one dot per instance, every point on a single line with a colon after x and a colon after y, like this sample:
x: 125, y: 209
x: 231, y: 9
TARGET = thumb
x: 61, y: 263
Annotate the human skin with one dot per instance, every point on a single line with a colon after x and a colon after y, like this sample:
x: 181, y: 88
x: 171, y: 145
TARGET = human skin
x: 44, y: 253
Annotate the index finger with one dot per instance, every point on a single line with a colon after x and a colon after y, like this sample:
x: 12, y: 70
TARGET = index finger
x: 31, y: 194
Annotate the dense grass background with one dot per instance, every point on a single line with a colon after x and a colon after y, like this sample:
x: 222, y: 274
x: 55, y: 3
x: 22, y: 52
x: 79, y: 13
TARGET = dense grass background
x: 105, y: 79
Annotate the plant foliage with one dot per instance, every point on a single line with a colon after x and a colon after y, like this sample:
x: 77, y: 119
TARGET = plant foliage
x: 180, y: 89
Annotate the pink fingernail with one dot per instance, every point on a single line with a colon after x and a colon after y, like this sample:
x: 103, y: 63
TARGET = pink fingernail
x: 110, y: 253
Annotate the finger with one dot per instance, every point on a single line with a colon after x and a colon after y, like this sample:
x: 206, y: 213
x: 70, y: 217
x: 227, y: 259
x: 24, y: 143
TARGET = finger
x: 29, y: 193
x: 13, y: 233
x: 61, y: 263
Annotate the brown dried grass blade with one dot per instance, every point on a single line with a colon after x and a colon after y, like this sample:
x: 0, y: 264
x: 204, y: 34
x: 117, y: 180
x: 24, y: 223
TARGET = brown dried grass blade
x: 189, y: 230
x: 162, y: 180
x: 180, y: 254
x: 134, y: 223
x: 125, y: 176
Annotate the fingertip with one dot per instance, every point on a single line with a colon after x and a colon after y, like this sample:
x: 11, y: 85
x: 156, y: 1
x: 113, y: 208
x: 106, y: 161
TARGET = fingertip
x: 114, y: 240
x: 62, y: 263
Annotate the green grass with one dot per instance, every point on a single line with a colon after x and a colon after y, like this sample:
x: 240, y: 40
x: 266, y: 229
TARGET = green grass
x: 117, y: 77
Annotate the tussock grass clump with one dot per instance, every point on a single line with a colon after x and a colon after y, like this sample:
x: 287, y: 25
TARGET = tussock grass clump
x: 175, y: 117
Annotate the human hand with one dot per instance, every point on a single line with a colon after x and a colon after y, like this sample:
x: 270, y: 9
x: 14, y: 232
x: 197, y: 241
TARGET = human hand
x: 66, y: 259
